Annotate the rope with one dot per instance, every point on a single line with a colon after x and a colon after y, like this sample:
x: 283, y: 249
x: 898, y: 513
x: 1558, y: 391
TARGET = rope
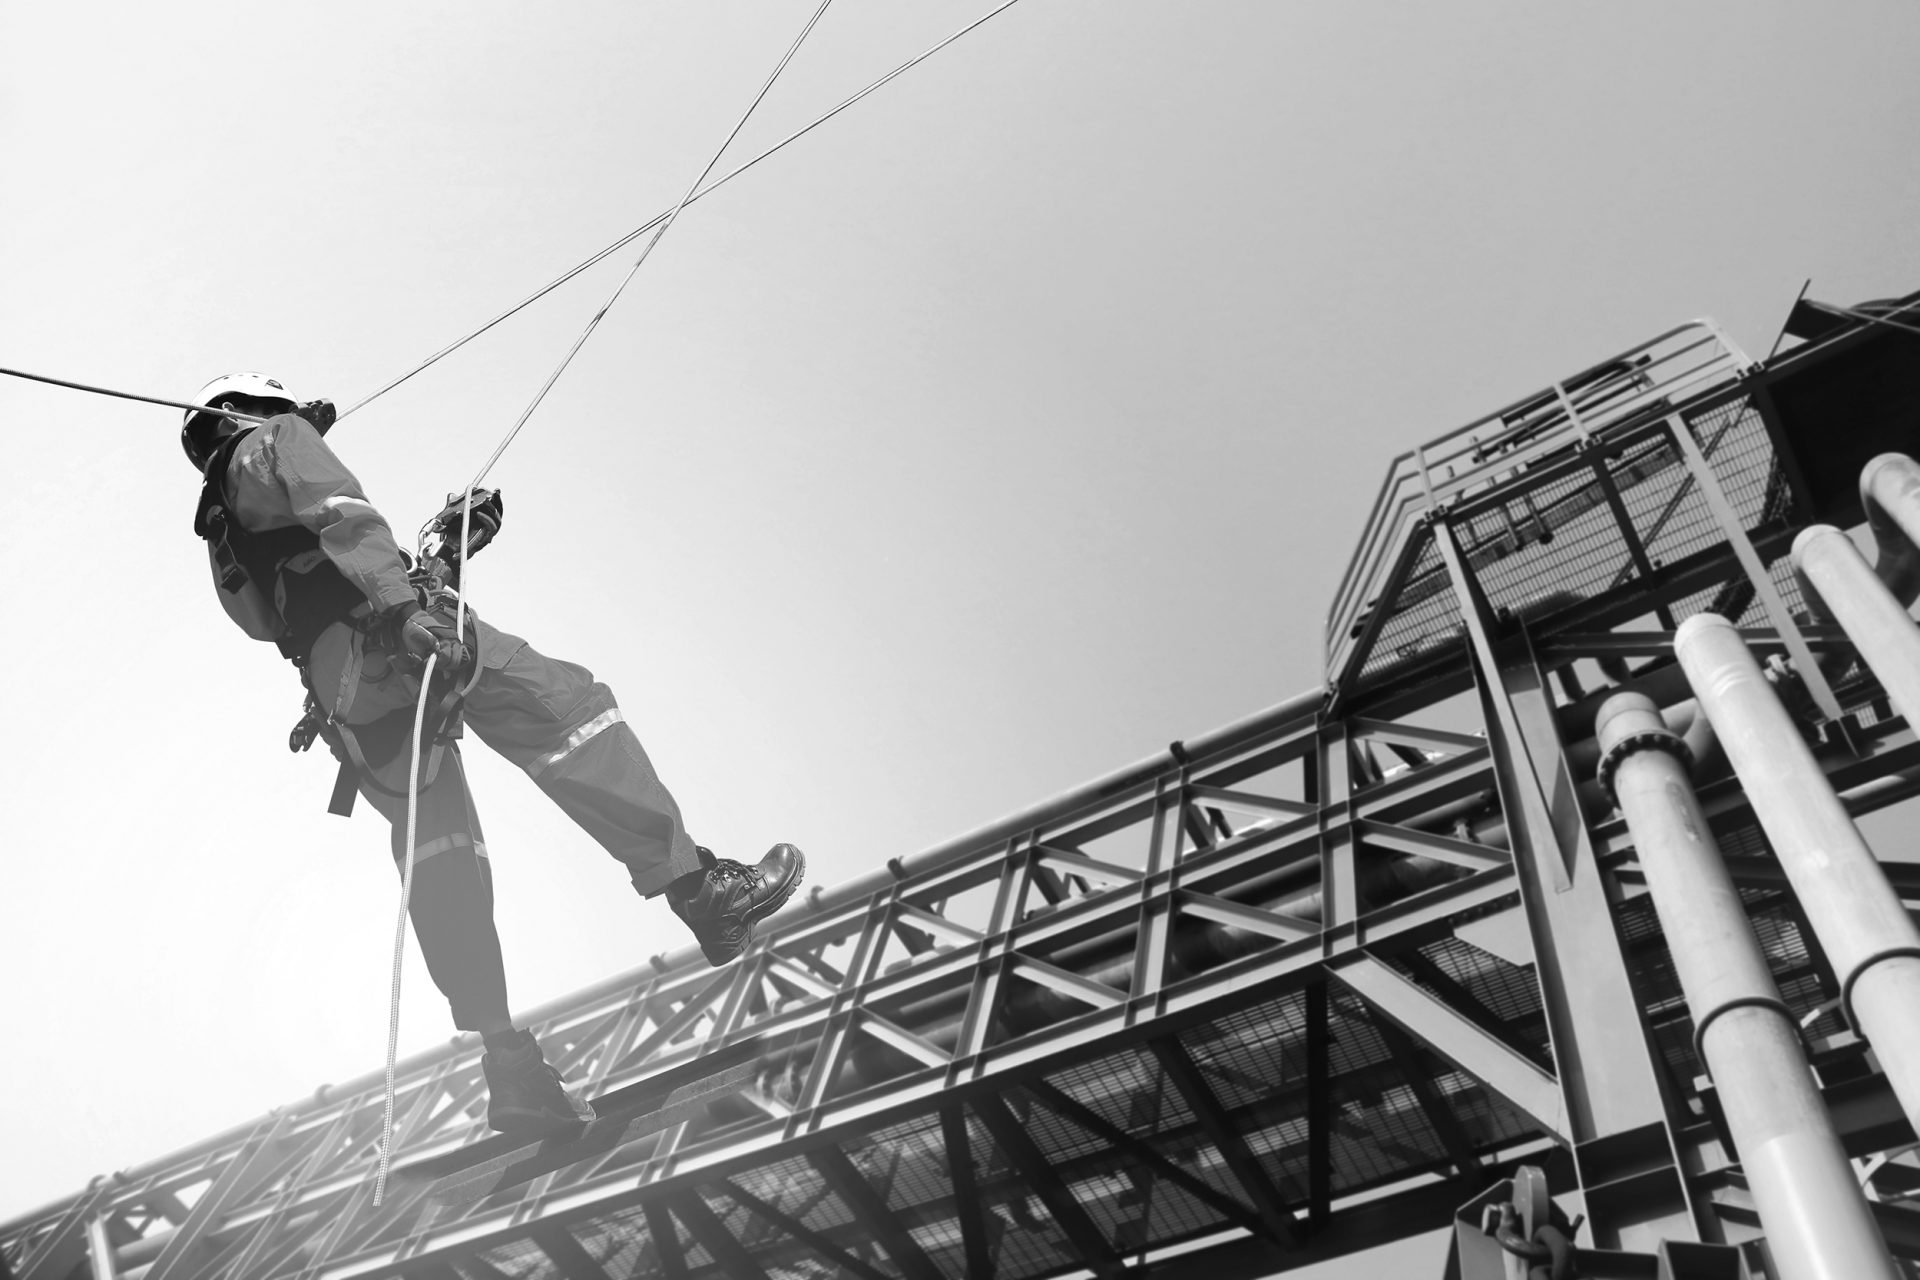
x: 649, y: 225
x: 638, y: 263
x: 400, y: 927
x: 126, y: 395
x: 460, y: 609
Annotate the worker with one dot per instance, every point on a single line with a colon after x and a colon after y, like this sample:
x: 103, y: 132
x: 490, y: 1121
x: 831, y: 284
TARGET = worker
x: 302, y: 558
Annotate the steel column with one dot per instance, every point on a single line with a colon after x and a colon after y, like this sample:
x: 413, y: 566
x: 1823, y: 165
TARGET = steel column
x: 1855, y: 912
x: 1818, y: 1226
x: 1617, y: 1115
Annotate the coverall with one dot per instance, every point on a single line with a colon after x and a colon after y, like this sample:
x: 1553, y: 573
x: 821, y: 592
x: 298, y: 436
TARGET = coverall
x: 547, y: 716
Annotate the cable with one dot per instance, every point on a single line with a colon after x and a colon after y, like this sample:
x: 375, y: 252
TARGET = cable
x: 647, y: 226
x: 400, y: 926
x: 620, y: 288
x: 460, y: 609
x: 1877, y: 318
x: 126, y: 395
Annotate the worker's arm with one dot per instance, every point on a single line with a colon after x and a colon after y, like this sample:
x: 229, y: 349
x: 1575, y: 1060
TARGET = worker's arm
x: 288, y: 456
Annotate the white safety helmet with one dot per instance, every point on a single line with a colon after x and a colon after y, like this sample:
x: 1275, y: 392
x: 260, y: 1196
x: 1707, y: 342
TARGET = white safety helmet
x: 254, y: 393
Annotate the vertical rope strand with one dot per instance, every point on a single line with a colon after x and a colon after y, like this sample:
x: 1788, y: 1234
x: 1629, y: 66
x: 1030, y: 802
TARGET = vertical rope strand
x: 400, y: 927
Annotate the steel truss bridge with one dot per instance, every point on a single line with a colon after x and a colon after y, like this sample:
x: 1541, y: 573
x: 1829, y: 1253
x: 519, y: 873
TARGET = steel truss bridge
x: 1297, y: 988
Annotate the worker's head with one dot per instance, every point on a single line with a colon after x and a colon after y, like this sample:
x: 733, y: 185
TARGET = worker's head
x: 249, y: 393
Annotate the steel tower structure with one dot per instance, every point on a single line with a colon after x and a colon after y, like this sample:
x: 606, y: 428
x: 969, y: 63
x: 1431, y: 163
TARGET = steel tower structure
x: 1303, y: 986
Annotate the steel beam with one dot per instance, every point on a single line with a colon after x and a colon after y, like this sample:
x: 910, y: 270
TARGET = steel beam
x: 666, y: 1240
x: 1068, y: 1108
x: 727, y: 1251
x: 1615, y: 1108
x: 1219, y: 1126
x: 566, y: 1253
x: 830, y: 1253
x: 870, y: 1207
x: 1089, y: 1242
x: 1487, y: 1058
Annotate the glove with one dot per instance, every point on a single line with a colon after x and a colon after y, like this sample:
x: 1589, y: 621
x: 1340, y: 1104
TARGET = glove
x: 318, y: 413
x: 420, y: 635
x: 485, y: 516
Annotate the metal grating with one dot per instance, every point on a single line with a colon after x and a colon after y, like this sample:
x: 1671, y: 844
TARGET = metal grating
x: 1250, y: 1060
x: 1378, y: 1130
x: 1509, y: 992
x: 1424, y: 614
x: 1130, y: 1092
x: 1031, y: 1243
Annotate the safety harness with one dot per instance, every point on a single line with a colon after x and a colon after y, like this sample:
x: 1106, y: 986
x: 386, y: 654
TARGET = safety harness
x: 294, y: 575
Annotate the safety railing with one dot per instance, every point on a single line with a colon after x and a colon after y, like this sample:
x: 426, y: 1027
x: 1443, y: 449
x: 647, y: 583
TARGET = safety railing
x: 1491, y: 450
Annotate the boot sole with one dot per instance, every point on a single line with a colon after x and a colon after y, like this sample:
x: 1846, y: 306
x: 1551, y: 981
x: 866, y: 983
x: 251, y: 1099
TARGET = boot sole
x: 516, y: 1122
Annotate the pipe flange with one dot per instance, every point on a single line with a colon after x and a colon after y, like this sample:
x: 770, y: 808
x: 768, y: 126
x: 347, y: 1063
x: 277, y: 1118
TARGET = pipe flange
x: 1652, y: 740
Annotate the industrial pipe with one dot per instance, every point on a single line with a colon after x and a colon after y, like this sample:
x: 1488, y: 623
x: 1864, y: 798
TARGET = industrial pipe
x: 1817, y: 1221
x: 1872, y: 615
x: 1890, y: 495
x: 1866, y: 932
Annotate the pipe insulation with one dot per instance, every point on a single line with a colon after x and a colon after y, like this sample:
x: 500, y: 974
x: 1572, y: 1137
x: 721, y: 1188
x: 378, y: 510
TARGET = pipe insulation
x: 1866, y: 932
x: 1817, y: 1221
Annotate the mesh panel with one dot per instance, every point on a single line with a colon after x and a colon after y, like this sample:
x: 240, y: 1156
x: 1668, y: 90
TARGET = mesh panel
x: 796, y: 1189
x: 520, y: 1259
x: 622, y: 1243
x: 1130, y: 1092
x: 1030, y: 1243
x: 1255, y: 1062
x: 1558, y: 543
x: 1548, y: 548
x: 1378, y: 1131
x: 1425, y: 614
x: 907, y: 1166
x: 1508, y: 992
x: 1128, y: 1201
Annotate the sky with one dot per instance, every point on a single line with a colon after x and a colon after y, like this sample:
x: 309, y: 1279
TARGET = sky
x: 1012, y: 424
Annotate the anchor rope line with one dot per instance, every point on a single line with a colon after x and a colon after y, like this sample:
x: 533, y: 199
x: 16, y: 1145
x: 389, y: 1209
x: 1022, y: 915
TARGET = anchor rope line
x: 123, y: 395
x: 639, y: 262
x: 460, y: 608
x: 654, y: 221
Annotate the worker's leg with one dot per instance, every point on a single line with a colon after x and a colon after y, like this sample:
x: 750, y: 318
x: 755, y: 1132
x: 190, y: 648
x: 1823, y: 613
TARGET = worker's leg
x: 452, y: 900
x: 560, y: 725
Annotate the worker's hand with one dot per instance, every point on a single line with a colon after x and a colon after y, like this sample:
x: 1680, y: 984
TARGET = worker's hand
x: 318, y: 413
x: 420, y: 635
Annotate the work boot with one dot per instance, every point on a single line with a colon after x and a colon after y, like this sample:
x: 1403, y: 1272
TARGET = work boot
x: 524, y: 1094
x: 721, y: 901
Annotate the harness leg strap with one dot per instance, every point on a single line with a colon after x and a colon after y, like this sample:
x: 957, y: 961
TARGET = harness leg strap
x: 345, y: 790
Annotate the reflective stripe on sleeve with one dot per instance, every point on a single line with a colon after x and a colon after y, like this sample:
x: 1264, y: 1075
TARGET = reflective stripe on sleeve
x: 340, y: 504
x: 575, y: 740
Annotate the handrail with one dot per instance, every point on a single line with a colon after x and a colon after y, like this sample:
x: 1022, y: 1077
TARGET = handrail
x: 1491, y: 448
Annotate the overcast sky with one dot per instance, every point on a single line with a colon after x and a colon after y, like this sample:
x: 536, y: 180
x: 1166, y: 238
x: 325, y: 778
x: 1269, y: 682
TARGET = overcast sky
x: 1013, y: 424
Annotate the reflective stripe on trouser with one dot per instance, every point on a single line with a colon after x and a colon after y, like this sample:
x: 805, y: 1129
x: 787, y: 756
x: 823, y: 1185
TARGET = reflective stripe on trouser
x: 547, y: 716
x: 560, y: 725
x: 553, y: 720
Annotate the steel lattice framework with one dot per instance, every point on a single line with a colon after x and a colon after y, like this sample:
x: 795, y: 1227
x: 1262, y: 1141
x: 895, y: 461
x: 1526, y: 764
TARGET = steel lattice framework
x: 1297, y: 988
